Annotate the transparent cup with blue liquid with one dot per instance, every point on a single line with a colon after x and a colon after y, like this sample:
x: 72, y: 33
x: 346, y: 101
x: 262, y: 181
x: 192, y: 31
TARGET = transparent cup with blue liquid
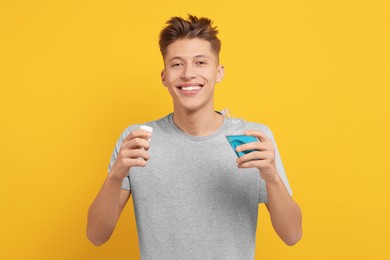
x: 236, y: 139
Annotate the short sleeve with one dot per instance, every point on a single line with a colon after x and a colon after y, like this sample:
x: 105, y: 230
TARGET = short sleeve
x: 263, y: 197
x: 125, y: 133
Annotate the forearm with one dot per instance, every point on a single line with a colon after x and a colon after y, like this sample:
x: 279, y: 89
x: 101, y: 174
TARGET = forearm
x: 285, y: 213
x: 104, y: 211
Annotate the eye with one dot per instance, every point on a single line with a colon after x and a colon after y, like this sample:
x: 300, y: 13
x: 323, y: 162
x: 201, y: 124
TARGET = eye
x: 176, y: 65
x: 201, y: 62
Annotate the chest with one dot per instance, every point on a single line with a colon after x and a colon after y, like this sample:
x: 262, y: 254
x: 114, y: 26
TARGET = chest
x: 187, y: 171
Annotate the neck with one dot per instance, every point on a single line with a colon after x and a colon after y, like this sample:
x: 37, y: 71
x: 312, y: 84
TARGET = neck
x: 198, y: 123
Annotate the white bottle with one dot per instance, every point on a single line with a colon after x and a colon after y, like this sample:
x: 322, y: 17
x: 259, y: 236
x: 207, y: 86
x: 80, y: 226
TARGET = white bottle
x: 147, y: 128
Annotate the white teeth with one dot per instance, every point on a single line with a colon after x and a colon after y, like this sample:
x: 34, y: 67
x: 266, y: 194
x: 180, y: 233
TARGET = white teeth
x: 191, y: 88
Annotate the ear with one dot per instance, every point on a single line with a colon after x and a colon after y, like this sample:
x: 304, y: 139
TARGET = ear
x: 163, y: 77
x: 220, y: 73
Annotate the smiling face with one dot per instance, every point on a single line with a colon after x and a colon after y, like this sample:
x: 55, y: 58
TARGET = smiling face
x: 190, y: 74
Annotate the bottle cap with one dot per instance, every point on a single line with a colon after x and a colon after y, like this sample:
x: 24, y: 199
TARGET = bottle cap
x: 147, y: 128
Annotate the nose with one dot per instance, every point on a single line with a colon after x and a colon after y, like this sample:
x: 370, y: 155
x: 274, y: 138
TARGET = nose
x: 188, y: 73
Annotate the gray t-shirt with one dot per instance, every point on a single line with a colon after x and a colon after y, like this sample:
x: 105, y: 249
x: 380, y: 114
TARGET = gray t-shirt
x: 191, y: 201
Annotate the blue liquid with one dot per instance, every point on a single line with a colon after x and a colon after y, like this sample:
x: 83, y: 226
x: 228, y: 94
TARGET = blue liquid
x: 237, y: 140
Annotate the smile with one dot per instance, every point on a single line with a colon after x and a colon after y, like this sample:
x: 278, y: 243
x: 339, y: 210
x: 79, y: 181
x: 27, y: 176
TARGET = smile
x: 190, y: 88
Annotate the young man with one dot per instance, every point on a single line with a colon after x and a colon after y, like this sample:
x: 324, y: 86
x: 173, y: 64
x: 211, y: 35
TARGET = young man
x: 193, y: 198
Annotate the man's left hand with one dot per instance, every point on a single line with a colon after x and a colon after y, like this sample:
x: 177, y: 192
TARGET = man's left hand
x: 262, y: 158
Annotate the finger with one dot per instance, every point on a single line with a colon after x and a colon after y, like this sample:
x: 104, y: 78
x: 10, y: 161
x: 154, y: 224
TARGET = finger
x: 134, y: 162
x: 138, y: 133
x: 135, y: 154
x: 136, y: 143
x: 253, y: 164
x: 262, y: 137
x: 257, y: 155
x: 253, y: 146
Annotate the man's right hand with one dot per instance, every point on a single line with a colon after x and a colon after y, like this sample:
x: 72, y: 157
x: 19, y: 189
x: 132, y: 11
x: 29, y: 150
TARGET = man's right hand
x: 133, y: 152
x: 105, y: 210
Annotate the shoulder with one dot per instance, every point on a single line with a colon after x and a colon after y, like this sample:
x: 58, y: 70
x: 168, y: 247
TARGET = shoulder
x: 260, y: 127
x: 155, y: 124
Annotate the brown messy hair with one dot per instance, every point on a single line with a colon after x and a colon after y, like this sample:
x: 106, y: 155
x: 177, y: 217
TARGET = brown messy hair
x: 178, y: 28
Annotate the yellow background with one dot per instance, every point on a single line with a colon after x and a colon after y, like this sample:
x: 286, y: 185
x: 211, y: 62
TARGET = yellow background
x: 74, y: 74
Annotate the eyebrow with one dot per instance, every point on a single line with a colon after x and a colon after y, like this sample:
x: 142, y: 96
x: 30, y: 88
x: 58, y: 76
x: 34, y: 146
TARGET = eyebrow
x: 181, y: 58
